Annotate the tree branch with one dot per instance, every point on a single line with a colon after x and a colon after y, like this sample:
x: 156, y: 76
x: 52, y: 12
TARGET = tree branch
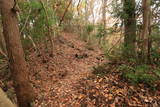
x: 65, y: 13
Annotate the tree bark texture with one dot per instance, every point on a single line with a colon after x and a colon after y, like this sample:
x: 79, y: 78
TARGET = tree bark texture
x: 17, y: 61
x: 145, y: 32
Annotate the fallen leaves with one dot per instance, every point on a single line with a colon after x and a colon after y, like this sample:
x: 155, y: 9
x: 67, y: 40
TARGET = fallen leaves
x: 81, y: 96
x: 66, y: 80
x: 109, y: 96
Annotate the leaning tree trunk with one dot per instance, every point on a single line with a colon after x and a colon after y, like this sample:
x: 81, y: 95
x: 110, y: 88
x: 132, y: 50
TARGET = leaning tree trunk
x: 17, y: 62
x: 145, y: 33
x: 130, y: 29
x: 65, y: 12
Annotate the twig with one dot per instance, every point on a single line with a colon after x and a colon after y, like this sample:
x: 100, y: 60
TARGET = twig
x: 48, y: 26
x: 25, y: 22
x: 115, y: 43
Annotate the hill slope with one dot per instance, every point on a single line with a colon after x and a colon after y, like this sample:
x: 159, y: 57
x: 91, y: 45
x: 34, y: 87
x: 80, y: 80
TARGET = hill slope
x: 55, y: 78
x: 67, y: 79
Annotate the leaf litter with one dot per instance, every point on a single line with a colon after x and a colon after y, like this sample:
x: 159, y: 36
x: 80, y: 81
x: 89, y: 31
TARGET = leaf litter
x: 67, y: 79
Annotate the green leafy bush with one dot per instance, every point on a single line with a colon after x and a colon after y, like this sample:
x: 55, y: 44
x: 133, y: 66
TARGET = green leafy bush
x: 87, y: 33
x: 126, y: 68
x: 157, y: 72
x: 101, y: 31
x: 34, y: 20
x: 89, y: 28
x: 138, y: 74
x: 155, y: 53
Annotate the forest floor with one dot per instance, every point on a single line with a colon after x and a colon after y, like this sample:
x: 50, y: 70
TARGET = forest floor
x: 67, y: 78
x: 57, y: 80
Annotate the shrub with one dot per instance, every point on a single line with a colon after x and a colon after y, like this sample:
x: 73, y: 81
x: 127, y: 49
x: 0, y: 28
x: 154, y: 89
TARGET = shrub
x: 138, y: 74
x: 101, y: 31
x: 89, y: 28
x: 34, y: 21
x: 86, y: 33
x: 100, y: 70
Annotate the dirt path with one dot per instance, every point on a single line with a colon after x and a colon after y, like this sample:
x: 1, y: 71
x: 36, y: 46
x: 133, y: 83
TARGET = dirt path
x: 55, y: 78
x: 65, y: 79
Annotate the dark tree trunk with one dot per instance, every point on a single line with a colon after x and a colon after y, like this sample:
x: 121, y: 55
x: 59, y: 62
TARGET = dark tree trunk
x: 17, y: 62
x: 65, y: 12
x: 146, y: 45
x: 130, y: 29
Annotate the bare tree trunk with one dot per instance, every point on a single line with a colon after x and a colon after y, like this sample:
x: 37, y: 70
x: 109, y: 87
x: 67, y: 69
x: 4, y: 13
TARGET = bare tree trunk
x: 93, y: 16
x: 145, y: 33
x: 104, y: 12
x: 86, y: 11
x: 78, y: 7
x: 17, y: 61
x: 92, y: 10
x: 61, y: 20
x: 150, y: 39
x: 130, y: 29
